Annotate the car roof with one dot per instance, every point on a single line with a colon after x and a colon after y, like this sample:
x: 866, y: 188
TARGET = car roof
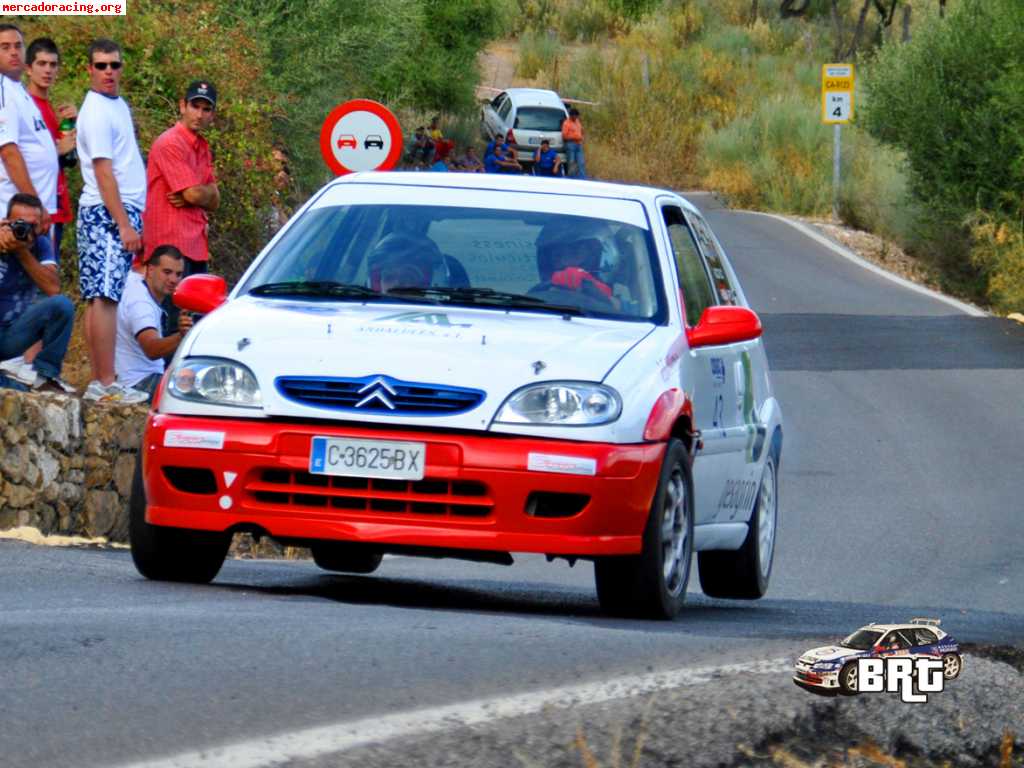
x: 535, y: 97
x: 887, y: 627
x: 512, y: 183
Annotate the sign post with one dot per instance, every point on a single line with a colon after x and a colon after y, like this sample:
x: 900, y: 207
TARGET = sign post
x: 836, y: 109
x: 361, y: 135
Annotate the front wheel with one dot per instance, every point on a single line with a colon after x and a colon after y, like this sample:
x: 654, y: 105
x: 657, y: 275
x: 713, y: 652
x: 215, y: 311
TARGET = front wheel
x: 346, y: 557
x: 744, y: 573
x: 171, y: 554
x: 848, y: 679
x: 653, y: 584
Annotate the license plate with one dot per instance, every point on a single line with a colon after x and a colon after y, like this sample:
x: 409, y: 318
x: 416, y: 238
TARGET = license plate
x: 534, y: 140
x: 390, y: 459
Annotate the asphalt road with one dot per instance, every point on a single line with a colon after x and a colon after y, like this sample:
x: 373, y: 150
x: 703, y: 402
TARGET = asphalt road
x: 900, y: 497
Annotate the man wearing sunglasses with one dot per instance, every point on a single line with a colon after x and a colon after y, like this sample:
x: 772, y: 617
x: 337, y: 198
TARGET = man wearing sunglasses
x: 110, y: 211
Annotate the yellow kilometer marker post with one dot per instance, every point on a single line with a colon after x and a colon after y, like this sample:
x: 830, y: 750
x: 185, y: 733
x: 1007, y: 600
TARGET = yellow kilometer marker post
x: 836, y: 109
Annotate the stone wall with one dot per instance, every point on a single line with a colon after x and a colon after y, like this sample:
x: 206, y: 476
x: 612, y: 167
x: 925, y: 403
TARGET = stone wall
x: 66, y: 464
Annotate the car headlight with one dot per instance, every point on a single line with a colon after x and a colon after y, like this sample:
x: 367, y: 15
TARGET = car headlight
x: 561, y: 403
x: 215, y: 382
x: 825, y: 666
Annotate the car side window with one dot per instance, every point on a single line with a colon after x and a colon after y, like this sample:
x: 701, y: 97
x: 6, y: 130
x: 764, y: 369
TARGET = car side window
x: 504, y: 109
x: 693, y: 279
x: 713, y: 255
x: 499, y: 101
x: 925, y: 637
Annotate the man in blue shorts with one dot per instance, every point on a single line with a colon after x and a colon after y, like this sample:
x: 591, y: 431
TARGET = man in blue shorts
x: 109, y: 214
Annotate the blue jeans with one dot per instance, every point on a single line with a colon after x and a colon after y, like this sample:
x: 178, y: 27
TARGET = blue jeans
x: 50, y: 320
x: 574, y: 158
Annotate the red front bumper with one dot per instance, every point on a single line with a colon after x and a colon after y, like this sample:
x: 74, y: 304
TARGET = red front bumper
x: 477, y: 492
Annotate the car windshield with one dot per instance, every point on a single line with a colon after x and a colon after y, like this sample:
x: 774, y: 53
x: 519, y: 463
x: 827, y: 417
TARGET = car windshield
x: 483, y: 257
x: 862, y: 640
x: 539, y: 119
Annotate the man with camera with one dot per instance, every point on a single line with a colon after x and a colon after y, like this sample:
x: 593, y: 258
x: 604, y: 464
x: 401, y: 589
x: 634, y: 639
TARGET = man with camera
x: 27, y: 265
x: 140, y: 348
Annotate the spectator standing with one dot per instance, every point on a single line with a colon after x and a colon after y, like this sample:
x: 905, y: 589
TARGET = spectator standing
x: 572, y: 135
x: 181, y: 189
x: 109, y: 213
x: 28, y: 264
x: 546, y: 161
x: 141, y: 347
x: 27, y: 151
x: 43, y: 64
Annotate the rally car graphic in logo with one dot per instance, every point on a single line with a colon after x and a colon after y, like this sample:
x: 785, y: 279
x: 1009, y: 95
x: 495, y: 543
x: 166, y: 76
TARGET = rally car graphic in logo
x: 835, y: 667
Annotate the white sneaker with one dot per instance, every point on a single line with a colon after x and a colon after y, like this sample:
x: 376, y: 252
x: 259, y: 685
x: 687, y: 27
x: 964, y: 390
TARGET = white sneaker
x: 56, y: 383
x: 113, y: 393
x: 16, y: 368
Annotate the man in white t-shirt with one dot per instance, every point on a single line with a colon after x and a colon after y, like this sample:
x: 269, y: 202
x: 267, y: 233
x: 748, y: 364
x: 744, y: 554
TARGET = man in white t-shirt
x: 28, y: 154
x: 140, y: 349
x: 109, y: 213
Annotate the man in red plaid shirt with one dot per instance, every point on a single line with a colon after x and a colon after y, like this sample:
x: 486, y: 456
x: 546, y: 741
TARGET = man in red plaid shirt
x: 180, y: 186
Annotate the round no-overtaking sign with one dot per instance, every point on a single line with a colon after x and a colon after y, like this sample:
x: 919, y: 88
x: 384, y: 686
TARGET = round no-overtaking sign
x: 361, y: 135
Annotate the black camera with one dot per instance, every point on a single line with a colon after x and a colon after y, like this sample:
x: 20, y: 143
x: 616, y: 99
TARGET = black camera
x: 22, y: 229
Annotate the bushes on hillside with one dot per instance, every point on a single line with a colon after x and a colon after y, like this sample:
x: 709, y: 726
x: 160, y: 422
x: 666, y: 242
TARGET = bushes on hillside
x: 167, y: 44
x: 953, y: 100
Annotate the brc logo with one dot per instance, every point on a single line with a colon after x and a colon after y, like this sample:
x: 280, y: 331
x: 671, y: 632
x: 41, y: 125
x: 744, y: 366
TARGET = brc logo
x: 913, y: 678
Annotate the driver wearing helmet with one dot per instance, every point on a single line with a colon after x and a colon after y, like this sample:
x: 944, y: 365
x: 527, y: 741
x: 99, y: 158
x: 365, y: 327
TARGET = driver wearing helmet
x: 402, y: 261
x: 569, y: 256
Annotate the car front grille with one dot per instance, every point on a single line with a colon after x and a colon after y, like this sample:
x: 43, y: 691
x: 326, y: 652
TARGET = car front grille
x: 430, y: 496
x: 380, y: 395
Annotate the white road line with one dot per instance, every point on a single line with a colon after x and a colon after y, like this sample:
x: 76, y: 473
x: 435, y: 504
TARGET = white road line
x: 967, y: 309
x: 309, y: 743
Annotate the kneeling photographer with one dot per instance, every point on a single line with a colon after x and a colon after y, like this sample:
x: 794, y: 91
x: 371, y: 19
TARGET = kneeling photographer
x: 28, y: 266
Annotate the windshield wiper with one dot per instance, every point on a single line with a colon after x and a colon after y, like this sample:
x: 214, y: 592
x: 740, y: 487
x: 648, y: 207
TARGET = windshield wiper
x: 490, y: 297
x: 322, y: 288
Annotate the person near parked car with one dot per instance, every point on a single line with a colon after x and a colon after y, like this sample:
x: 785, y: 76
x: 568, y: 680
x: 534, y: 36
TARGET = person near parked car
x: 141, y: 346
x: 470, y: 161
x: 546, y: 161
x: 181, y: 189
x: 109, y: 214
x: 505, y: 159
x: 28, y: 266
x: 572, y: 136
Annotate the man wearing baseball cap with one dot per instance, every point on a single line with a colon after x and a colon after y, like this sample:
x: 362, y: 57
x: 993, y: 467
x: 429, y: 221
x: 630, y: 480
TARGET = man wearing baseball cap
x: 180, y: 186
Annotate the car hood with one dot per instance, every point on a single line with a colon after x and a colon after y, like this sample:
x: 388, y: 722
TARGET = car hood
x: 828, y: 653
x: 489, y: 350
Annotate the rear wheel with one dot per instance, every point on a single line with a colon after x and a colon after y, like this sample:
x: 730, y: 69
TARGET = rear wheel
x: 171, y: 554
x: 952, y: 663
x: 745, y: 572
x: 346, y: 557
x: 653, y: 584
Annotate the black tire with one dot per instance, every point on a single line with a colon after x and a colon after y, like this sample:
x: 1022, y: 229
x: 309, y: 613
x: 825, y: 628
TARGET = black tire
x: 171, y: 554
x: 639, y: 586
x: 744, y: 574
x: 346, y: 557
x: 848, y: 679
x: 951, y: 670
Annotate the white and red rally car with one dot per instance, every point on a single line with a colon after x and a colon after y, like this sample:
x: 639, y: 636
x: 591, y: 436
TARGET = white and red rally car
x: 471, y: 366
x: 834, y: 667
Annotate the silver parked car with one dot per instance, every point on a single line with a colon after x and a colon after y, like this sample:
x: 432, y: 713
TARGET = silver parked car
x: 524, y: 117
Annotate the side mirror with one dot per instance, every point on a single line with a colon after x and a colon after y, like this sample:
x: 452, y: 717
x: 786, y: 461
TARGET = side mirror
x: 201, y: 293
x: 724, y: 325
